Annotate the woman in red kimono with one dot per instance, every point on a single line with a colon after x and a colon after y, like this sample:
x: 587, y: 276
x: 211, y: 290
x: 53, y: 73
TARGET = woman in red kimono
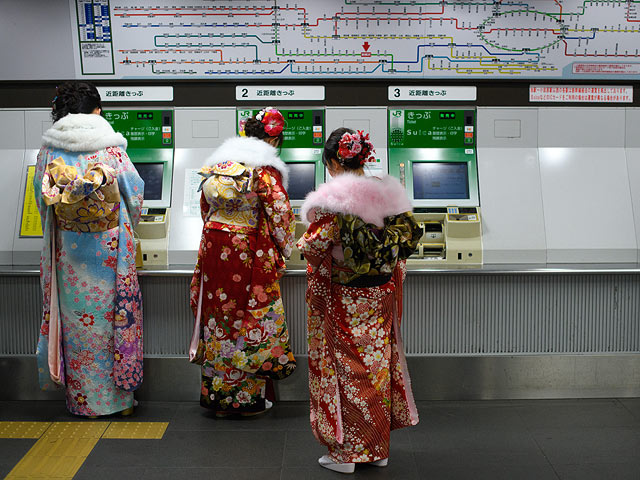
x: 240, y: 336
x: 361, y: 231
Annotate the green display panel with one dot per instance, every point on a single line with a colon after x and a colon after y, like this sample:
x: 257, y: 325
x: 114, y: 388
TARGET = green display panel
x: 433, y: 154
x: 304, y: 128
x: 303, y: 141
x: 431, y: 128
x: 143, y: 128
x: 149, y: 135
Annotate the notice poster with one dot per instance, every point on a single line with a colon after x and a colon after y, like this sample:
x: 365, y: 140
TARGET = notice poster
x: 191, y: 205
x: 30, y: 226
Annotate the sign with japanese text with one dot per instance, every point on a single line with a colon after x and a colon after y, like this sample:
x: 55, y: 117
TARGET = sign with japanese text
x: 280, y: 93
x: 143, y: 128
x: 136, y: 94
x: 431, y: 128
x: 425, y: 93
x: 606, y: 68
x: 30, y: 224
x: 578, y: 93
x: 304, y: 128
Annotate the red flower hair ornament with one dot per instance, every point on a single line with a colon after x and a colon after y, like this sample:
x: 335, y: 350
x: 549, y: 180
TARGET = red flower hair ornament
x: 272, y: 120
x: 355, y: 145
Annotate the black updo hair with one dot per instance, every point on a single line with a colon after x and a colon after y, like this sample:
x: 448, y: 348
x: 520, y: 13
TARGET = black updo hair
x: 331, y: 147
x: 255, y: 128
x: 75, y: 97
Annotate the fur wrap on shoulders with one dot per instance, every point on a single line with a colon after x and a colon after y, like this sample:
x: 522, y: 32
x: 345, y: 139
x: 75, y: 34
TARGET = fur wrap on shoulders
x: 251, y: 152
x: 370, y: 198
x: 82, y: 132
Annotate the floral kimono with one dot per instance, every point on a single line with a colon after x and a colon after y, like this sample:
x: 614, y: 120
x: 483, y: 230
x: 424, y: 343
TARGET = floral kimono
x: 240, y: 335
x: 361, y: 231
x: 89, y: 196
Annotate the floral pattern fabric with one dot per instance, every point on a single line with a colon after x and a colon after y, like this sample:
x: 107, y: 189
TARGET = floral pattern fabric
x: 242, y: 337
x: 91, y: 334
x: 358, y: 378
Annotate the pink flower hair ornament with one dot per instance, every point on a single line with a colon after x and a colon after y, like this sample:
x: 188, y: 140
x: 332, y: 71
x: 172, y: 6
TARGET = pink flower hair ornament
x: 272, y: 120
x: 355, y: 145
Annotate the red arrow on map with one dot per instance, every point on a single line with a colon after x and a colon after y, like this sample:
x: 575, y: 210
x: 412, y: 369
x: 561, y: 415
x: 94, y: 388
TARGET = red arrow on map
x: 366, y: 46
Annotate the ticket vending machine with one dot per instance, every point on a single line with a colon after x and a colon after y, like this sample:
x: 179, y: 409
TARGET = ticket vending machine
x: 149, y: 134
x: 302, y: 152
x: 433, y: 153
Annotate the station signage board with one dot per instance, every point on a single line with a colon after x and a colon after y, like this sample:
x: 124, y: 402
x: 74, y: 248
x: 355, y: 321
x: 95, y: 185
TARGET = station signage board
x: 304, y: 128
x: 143, y: 128
x: 422, y: 128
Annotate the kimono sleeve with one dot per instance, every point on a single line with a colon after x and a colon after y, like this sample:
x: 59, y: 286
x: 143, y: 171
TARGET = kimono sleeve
x: 322, y: 235
x: 204, y: 207
x: 280, y: 217
x: 130, y: 183
x: 408, y: 234
x: 40, y: 172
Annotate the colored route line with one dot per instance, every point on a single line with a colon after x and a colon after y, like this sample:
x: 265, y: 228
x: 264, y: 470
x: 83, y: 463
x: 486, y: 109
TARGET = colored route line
x: 62, y: 447
x: 385, y: 61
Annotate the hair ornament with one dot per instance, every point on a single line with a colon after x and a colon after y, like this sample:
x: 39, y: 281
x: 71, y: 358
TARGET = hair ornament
x: 241, y: 126
x: 272, y: 120
x: 355, y: 145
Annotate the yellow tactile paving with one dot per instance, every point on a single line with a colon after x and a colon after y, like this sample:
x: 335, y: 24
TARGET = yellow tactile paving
x: 60, y: 452
x: 63, y: 446
x: 136, y: 430
x: 77, y: 429
x: 58, y: 458
x: 23, y: 429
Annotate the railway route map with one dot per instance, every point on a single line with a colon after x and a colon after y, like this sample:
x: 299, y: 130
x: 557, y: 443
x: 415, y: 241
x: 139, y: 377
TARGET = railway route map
x: 344, y: 39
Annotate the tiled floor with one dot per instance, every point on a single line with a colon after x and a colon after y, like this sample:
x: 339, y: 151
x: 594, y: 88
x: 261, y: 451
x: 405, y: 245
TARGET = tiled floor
x: 514, y: 440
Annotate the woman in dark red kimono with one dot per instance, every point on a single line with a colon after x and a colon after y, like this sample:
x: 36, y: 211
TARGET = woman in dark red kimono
x: 240, y: 336
x: 361, y: 231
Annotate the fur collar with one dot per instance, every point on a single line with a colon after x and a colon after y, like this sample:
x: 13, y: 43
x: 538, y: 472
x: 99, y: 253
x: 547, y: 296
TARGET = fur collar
x: 81, y: 132
x: 369, y: 198
x: 251, y: 152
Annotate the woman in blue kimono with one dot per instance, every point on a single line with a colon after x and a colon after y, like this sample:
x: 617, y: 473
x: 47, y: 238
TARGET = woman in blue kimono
x: 89, y: 196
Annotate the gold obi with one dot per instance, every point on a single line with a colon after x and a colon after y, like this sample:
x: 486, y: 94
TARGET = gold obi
x: 228, y: 191
x: 89, y: 203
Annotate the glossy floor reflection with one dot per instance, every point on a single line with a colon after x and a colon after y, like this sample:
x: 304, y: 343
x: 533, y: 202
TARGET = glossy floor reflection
x: 514, y: 440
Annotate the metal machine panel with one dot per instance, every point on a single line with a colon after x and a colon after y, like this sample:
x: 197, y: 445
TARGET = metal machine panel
x: 198, y: 133
x: 370, y: 119
x: 632, y: 137
x: 203, y: 127
x: 510, y: 191
x: 507, y: 127
x: 12, y: 130
x: 12, y: 142
x: 37, y: 122
x: 587, y: 205
x: 26, y: 251
x: 632, y: 142
x: 633, y: 166
x: 581, y: 127
x: 513, y: 229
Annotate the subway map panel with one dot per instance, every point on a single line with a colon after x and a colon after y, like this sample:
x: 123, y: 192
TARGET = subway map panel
x: 346, y: 39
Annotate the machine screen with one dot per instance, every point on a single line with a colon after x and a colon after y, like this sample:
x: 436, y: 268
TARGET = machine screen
x: 302, y: 179
x: 152, y: 174
x: 440, y: 180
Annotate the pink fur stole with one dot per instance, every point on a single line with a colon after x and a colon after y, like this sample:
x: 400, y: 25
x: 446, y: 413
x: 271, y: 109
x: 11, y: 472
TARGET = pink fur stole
x: 370, y: 198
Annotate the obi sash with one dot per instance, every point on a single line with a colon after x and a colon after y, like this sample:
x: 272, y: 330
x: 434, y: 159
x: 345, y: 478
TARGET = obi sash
x: 88, y: 203
x: 227, y: 188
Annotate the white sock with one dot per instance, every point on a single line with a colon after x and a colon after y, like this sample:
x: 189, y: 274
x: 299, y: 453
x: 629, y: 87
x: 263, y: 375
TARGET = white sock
x: 327, y: 462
